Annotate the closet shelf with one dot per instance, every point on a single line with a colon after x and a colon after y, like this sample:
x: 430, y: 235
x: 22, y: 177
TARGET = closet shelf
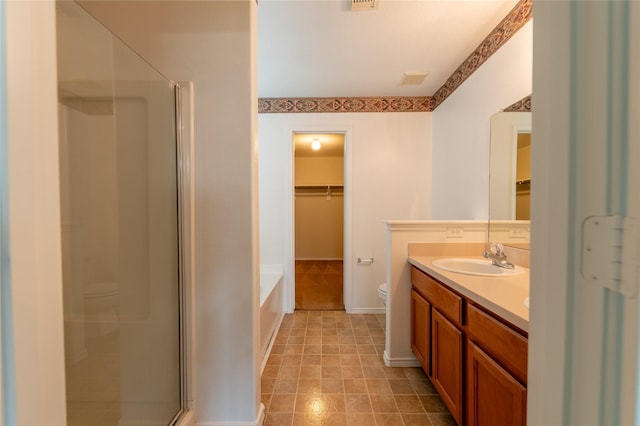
x: 319, y: 186
x: 319, y: 190
x: 523, y: 181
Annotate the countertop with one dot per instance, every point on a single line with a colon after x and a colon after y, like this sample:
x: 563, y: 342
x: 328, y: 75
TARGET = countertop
x: 502, y: 295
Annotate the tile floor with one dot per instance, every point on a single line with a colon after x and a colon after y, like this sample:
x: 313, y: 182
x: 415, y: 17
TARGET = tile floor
x: 326, y: 368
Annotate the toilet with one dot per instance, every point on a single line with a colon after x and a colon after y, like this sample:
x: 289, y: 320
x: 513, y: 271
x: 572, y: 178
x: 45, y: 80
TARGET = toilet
x: 382, y: 293
x: 101, y: 301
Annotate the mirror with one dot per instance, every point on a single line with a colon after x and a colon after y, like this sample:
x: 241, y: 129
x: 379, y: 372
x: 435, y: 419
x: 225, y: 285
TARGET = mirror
x: 510, y: 179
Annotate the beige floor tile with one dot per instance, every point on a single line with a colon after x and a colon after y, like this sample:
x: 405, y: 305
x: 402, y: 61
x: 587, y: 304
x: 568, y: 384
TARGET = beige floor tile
x: 387, y: 419
x: 293, y: 349
x: 283, y: 403
x: 433, y: 404
x: 326, y: 368
x: 360, y: 419
x: 423, y: 387
x: 358, y: 403
x: 349, y: 359
x: 330, y: 349
x: 275, y: 359
x: 442, y: 420
x: 332, y: 386
x: 373, y: 372
x: 285, y: 386
x: 312, y: 350
x: 310, y: 372
x: 352, y: 372
x: 331, y: 359
x: 409, y: 404
x: 331, y: 372
x: 309, y: 386
x: 330, y: 340
x: 267, y: 385
x: 278, y: 419
x: 394, y: 373
x: 291, y: 359
x: 348, y: 349
x: 270, y: 371
x: 379, y: 386
x: 401, y: 387
x: 371, y: 360
x: 311, y: 359
x: 355, y: 386
x: 383, y: 404
x: 416, y: 420
x: 289, y: 372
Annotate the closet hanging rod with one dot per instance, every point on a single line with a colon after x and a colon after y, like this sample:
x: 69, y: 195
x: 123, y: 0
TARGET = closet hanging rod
x: 319, y: 186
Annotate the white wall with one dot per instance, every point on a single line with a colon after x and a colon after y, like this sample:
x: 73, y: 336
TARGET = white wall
x: 319, y: 170
x: 34, y: 220
x: 388, y: 173
x: 461, y: 129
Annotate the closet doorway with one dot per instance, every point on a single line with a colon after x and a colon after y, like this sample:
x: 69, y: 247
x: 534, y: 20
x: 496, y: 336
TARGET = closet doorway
x: 319, y: 220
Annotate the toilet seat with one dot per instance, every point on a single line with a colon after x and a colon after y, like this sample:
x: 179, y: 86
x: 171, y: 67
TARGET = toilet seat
x: 382, y: 293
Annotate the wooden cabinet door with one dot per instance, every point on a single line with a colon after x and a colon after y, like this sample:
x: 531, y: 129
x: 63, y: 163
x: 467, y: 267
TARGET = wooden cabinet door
x: 494, y: 397
x: 421, y: 330
x: 446, y: 359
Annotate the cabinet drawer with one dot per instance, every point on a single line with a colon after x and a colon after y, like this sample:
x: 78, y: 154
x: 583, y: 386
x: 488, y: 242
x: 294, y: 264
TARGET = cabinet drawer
x: 503, y: 343
x: 447, y: 302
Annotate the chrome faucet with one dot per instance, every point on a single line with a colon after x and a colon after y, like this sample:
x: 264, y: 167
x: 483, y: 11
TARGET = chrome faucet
x: 497, y: 256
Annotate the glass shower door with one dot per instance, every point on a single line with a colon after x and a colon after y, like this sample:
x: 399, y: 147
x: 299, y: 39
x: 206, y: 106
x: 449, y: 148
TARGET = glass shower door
x: 120, y: 229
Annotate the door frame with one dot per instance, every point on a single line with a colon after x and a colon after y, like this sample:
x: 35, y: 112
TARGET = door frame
x: 289, y: 250
x: 583, y: 340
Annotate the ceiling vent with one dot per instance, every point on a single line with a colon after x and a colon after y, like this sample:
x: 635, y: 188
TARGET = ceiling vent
x: 414, y: 78
x: 358, y: 5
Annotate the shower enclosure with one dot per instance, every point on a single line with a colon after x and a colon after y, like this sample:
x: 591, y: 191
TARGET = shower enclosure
x: 120, y: 230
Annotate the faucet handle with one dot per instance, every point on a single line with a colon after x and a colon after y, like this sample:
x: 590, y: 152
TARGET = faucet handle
x: 497, y: 248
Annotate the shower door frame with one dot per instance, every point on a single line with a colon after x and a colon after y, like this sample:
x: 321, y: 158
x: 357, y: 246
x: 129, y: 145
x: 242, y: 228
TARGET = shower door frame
x: 185, y: 184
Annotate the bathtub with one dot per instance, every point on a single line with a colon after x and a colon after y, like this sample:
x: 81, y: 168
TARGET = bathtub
x: 271, y: 307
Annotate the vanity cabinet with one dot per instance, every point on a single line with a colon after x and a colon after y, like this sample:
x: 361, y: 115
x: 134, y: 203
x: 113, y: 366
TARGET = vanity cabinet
x: 476, y: 360
x: 495, y: 397
x: 445, y: 342
x: 421, y: 330
x: 446, y: 352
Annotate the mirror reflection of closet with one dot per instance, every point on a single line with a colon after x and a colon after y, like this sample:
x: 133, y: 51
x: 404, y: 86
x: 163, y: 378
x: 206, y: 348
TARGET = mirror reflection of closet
x: 319, y: 220
x: 510, y: 179
x: 523, y: 176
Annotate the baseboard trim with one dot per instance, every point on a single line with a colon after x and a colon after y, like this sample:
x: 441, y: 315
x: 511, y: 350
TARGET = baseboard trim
x: 257, y: 422
x: 400, y: 362
x: 368, y: 311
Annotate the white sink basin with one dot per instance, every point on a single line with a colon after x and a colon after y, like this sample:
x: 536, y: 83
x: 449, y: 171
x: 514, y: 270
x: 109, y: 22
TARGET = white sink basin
x: 474, y: 267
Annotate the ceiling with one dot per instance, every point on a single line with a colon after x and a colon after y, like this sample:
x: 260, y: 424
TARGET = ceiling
x: 310, y: 48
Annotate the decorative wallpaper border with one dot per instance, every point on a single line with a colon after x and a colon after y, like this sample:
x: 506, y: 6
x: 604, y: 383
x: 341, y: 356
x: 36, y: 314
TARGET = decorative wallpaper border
x: 368, y: 104
x: 521, y: 13
x: 523, y: 105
